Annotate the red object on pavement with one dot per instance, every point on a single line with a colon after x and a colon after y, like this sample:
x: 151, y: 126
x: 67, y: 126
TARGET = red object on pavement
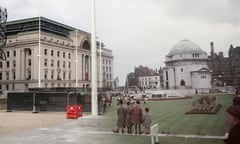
x: 74, y: 111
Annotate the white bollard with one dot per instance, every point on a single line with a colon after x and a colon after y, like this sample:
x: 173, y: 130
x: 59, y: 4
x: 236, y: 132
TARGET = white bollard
x: 154, y: 133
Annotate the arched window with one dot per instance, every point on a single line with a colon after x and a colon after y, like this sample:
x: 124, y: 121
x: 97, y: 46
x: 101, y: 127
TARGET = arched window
x: 182, y: 82
x: 86, y: 45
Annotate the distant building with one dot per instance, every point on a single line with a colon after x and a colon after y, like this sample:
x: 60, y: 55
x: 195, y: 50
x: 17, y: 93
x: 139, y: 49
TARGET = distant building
x: 225, y: 70
x: 58, y: 56
x: 186, y: 67
x: 149, y: 82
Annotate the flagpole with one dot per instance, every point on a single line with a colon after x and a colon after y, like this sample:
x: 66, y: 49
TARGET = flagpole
x: 76, y: 64
x: 94, y: 104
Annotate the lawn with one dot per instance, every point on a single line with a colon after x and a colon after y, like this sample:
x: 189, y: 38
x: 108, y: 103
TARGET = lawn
x: 169, y: 114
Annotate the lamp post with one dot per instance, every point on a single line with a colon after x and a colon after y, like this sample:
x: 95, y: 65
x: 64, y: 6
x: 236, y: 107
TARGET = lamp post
x: 94, y: 105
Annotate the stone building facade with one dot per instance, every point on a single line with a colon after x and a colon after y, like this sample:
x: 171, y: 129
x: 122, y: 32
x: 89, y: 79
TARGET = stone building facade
x: 44, y: 53
x: 186, y: 67
x: 225, y: 70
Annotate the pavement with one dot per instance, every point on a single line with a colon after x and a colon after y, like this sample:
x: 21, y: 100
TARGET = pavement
x: 85, y: 130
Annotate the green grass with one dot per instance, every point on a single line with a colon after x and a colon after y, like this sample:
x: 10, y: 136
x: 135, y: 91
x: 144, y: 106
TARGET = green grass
x: 169, y: 114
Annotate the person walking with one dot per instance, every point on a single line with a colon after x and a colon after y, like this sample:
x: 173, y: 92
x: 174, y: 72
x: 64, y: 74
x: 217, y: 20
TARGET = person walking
x: 234, y: 119
x: 137, y: 117
x: 147, y: 121
x: 121, y: 113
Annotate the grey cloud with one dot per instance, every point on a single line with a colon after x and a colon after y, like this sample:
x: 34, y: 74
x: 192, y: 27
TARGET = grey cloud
x: 219, y: 11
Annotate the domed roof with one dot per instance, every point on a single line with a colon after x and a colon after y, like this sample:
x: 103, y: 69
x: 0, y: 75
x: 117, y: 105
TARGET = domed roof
x: 185, y: 47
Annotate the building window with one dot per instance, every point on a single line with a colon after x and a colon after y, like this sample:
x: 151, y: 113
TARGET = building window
x: 45, y: 51
x: 52, y: 75
x: 14, y: 63
x: 51, y: 52
x: 52, y: 63
x: 7, y: 87
x: 0, y: 75
x: 64, y: 63
x: 182, y: 82
x: 69, y: 65
x: 0, y: 64
x: 64, y: 75
x: 181, y: 69
x: 14, y: 53
x: 69, y: 55
x: 58, y: 53
x: 29, y: 52
x: 29, y: 75
x: 45, y: 75
x: 8, y: 53
x: 63, y: 54
x: 58, y: 76
x: 7, y: 64
x: 45, y: 62
x: 29, y: 62
x: 14, y: 75
x: 69, y: 75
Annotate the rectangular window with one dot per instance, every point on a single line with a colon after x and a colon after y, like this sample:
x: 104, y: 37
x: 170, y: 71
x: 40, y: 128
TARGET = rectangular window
x: 0, y: 75
x: 64, y: 63
x: 52, y: 63
x: 45, y: 62
x: 52, y: 53
x: 29, y: 62
x: 0, y: 64
x: 69, y: 55
x: 7, y: 64
x: 64, y: 74
x: 63, y: 54
x: 52, y: 75
x: 58, y: 53
x: 45, y: 75
x: 69, y: 65
x: 14, y: 53
x: 8, y: 53
x: 29, y: 75
x: 45, y: 51
x: 14, y: 75
x: 69, y: 75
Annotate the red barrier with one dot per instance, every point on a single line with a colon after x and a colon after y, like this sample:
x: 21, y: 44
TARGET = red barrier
x: 74, y: 111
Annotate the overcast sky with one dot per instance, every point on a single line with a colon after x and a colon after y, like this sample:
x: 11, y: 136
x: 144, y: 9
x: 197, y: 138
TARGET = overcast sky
x: 142, y: 32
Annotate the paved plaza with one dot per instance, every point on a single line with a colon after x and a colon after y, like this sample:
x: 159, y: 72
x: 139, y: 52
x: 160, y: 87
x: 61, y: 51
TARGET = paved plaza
x: 84, y: 130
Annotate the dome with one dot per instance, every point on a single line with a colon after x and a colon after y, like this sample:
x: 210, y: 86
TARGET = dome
x: 185, y: 47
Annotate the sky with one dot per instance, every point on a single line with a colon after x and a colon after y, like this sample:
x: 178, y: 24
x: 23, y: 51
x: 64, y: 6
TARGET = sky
x: 142, y: 32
